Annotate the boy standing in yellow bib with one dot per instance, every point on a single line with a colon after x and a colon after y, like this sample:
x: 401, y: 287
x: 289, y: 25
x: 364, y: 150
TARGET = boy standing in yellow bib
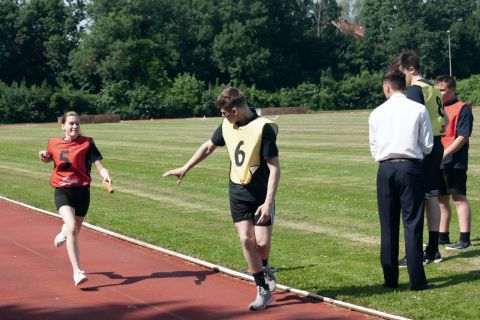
x: 254, y: 177
x: 422, y: 91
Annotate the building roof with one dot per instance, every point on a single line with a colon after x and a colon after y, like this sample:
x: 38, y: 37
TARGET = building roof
x: 357, y: 30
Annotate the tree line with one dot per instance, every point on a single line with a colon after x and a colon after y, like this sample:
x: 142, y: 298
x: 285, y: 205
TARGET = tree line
x: 163, y: 58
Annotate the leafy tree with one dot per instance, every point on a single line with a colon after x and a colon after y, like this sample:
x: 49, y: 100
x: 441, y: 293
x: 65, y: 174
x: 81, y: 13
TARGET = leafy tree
x: 237, y: 49
x: 119, y: 46
x: 8, y: 52
x: 46, y: 31
x: 324, y: 12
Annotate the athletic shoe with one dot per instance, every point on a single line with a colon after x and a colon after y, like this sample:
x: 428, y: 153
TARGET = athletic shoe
x: 444, y: 241
x: 61, y: 237
x: 79, y: 277
x: 270, y: 279
x: 426, y: 286
x: 436, y: 258
x: 245, y: 271
x: 263, y: 299
x: 459, y: 245
x: 402, y: 263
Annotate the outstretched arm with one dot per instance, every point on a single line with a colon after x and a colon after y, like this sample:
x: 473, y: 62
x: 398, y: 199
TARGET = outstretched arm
x: 203, y: 152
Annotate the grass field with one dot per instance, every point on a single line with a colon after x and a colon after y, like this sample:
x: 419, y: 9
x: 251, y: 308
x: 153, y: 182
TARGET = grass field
x: 326, y: 238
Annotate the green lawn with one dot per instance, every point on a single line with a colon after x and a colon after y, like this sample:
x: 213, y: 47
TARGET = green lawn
x: 326, y: 238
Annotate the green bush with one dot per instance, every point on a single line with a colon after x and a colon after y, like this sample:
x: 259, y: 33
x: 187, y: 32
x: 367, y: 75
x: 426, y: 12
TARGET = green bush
x: 20, y: 104
x: 66, y: 100
x: 360, y: 92
x: 143, y: 104
x: 182, y: 98
x: 307, y: 95
x: 468, y: 90
x: 207, y: 102
x: 113, y: 98
x: 257, y: 98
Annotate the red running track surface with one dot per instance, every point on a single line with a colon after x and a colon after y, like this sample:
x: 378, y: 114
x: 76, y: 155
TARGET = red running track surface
x: 125, y: 281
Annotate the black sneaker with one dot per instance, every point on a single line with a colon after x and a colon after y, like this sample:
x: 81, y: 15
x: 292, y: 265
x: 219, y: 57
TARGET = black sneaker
x: 426, y: 286
x: 402, y: 263
x: 427, y: 258
x: 444, y: 241
x: 459, y: 245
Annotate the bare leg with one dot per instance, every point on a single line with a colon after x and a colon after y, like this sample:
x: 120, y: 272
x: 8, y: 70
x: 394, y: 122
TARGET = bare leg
x: 463, y: 211
x: 246, y: 232
x: 263, y: 236
x: 446, y: 213
x: 433, y: 213
x: 73, y: 224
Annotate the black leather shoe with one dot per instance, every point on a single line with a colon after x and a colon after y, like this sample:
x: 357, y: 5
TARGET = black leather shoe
x: 390, y: 285
x: 426, y: 286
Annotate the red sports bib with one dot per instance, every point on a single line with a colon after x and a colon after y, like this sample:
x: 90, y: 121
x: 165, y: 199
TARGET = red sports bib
x: 71, y: 166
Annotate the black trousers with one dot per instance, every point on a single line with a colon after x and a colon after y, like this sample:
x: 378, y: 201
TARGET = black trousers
x: 400, y: 189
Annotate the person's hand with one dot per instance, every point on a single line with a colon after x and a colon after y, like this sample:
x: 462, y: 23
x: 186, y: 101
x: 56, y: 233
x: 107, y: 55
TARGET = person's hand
x: 265, y: 213
x: 178, y: 172
x: 108, y: 180
x: 44, y: 156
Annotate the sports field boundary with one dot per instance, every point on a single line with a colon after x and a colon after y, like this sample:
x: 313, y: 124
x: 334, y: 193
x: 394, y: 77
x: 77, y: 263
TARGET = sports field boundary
x: 218, y: 268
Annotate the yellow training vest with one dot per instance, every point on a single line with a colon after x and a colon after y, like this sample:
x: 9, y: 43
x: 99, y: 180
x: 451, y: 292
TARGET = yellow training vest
x: 243, y: 146
x: 434, y: 105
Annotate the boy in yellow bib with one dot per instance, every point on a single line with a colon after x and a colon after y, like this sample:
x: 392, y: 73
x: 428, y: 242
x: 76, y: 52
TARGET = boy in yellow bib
x: 422, y: 91
x: 254, y: 177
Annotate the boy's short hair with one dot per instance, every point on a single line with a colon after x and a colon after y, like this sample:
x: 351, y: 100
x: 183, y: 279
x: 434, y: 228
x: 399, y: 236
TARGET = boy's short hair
x: 230, y: 98
x: 396, y: 79
x: 395, y: 65
x: 448, y: 80
x: 409, y: 59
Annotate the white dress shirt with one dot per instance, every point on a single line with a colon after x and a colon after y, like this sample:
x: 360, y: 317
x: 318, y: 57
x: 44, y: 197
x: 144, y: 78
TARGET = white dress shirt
x: 400, y: 128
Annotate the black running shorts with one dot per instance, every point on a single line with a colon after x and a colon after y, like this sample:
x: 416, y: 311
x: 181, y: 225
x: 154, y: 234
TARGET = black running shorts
x: 245, y: 210
x: 75, y: 197
x: 431, y: 168
x: 453, y: 181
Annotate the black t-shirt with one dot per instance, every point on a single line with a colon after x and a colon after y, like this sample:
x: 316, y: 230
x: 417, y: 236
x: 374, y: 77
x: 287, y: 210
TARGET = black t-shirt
x: 415, y: 92
x: 256, y: 190
x: 459, y: 160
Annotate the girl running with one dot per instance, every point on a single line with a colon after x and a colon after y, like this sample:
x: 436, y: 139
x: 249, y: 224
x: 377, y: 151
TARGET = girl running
x: 72, y: 156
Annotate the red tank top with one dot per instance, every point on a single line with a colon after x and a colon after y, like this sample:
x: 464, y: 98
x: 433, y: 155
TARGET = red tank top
x: 71, y: 165
x: 453, y: 112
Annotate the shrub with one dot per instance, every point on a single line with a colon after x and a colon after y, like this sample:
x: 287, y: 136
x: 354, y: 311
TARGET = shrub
x: 19, y: 103
x: 185, y: 94
x: 360, y: 91
x: 143, y: 104
x: 468, y: 90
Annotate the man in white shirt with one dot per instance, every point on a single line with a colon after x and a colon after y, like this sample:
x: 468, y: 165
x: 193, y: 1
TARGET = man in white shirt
x: 400, y: 135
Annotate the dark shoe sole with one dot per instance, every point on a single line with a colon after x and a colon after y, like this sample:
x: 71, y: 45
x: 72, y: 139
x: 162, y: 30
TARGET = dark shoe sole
x: 428, y: 286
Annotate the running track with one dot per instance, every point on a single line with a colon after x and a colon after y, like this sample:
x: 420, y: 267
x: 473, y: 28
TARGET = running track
x: 125, y: 281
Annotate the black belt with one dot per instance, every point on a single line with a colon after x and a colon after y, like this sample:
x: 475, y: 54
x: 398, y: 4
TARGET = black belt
x: 401, y: 160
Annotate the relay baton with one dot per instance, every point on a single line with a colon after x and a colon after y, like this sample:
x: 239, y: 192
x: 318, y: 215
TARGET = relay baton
x: 108, y: 186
